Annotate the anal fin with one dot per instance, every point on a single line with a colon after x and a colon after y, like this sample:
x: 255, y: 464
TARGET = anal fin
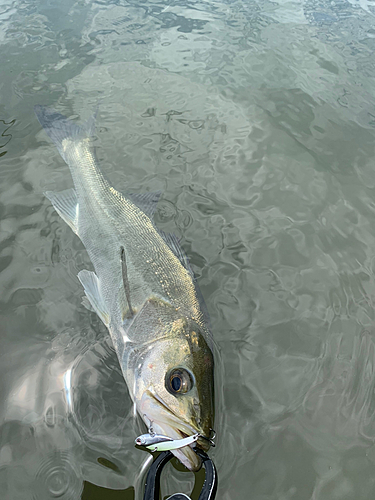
x: 91, y: 284
x: 66, y: 205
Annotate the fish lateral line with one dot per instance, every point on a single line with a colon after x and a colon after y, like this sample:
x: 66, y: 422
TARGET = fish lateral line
x: 124, y: 270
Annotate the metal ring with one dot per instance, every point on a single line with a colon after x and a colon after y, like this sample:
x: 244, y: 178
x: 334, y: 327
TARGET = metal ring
x: 152, y: 485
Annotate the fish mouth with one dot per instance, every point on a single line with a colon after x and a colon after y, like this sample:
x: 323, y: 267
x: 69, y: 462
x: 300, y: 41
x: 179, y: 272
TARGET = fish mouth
x: 164, y: 421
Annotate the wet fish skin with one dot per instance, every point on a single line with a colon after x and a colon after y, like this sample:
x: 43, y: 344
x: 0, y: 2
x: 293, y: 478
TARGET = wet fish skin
x: 166, y: 325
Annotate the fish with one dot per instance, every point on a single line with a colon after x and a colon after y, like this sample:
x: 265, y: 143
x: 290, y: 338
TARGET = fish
x: 143, y: 289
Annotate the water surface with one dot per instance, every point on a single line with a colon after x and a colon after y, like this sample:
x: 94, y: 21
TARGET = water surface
x: 256, y: 120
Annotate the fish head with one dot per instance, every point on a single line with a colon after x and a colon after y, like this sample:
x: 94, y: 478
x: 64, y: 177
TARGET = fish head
x: 174, y: 386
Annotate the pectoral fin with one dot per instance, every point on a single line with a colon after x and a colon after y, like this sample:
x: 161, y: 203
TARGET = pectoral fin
x: 91, y: 284
x: 66, y: 205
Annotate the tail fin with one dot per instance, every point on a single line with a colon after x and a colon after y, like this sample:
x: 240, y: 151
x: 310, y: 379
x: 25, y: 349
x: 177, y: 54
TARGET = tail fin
x: 59, y: 128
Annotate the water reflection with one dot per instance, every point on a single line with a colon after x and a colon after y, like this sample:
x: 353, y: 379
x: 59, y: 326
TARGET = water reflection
x: 6, y: 136
x: 62, y: 426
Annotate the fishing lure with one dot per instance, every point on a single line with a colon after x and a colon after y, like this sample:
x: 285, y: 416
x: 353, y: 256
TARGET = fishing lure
x: 157, y: 442
x: 151, y: 438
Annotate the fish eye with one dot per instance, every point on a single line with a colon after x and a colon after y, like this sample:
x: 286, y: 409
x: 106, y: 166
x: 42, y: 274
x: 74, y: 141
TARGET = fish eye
x: 179, y: 381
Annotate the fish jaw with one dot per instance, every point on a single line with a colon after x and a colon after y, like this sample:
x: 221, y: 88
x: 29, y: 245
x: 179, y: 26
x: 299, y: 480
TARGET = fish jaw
x: 156, y: 414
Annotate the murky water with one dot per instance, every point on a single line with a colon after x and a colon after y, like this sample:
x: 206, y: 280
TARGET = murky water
x: 256, y: 120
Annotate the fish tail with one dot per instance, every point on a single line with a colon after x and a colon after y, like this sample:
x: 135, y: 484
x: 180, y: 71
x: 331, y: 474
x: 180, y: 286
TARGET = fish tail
x: 60, y: 129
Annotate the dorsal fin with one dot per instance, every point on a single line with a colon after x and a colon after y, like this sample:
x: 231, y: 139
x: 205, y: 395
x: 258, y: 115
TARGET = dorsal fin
x: 174, y: 244
x: 146, y: 201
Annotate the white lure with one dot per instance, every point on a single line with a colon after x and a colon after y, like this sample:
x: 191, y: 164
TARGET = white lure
x: 167, y: 445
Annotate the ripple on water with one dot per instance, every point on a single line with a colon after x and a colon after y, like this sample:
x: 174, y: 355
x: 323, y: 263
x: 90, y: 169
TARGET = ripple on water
x: 57, y: 478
